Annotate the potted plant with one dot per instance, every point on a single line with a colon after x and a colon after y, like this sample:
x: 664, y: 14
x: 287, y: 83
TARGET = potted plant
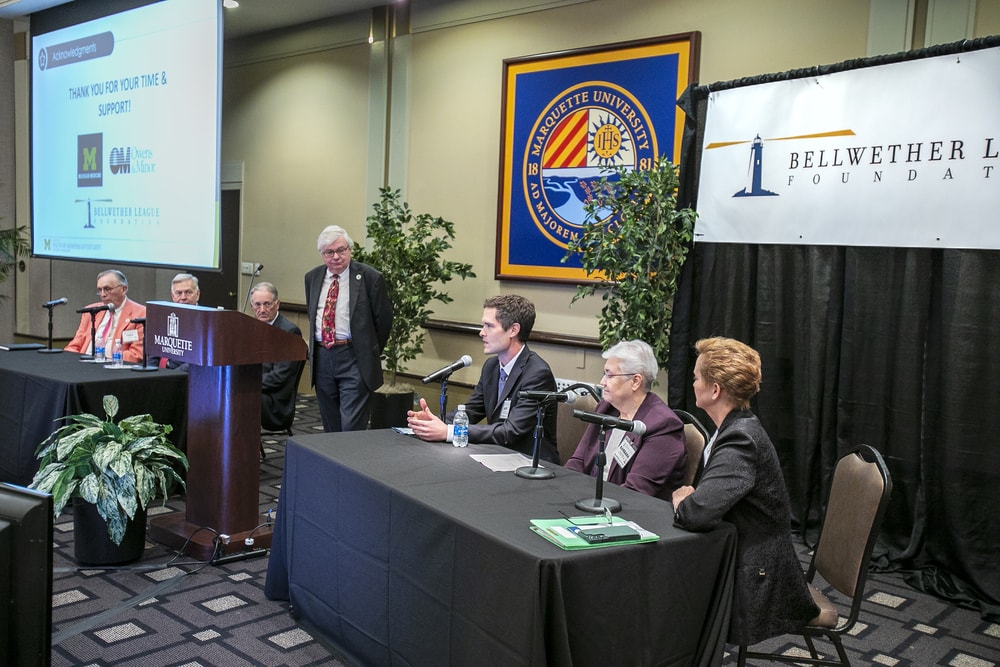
x: 116, y: 469
x: 13, y: 246
x: 407, y: 249
x: 634, y: 245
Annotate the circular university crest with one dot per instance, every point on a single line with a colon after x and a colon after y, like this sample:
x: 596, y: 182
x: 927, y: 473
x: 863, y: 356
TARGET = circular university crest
x: 584, y: 130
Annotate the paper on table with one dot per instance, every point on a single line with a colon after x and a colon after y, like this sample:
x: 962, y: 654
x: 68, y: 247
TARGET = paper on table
x: 503, y: 462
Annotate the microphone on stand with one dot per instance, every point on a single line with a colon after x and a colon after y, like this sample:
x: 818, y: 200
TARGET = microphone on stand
x: 49, y: 305
x: 599, y: 504
x: 568, y: 397
x: 442, y: 373
x: 607, y: 421
x: 256, y: 272
x: 144, y: 367
x: 93, y: 310
x: 545, y: 399
x: 55, y: 302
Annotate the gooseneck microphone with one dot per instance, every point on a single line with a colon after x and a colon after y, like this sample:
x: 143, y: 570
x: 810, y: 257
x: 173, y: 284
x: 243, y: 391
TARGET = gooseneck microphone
x: 442, y: 373
x: 256, y: 272
x: 627, y: 425
x: 567, y: 397
x: 137, y: 320
x: 55, y: 302
x: 97, y: 309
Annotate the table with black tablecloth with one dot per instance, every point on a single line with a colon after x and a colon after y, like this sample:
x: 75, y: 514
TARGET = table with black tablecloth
x: 37, y: 389
x: 397, y: 551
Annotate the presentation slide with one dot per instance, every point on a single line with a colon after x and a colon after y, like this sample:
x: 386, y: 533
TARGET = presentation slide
x: 125, y: 137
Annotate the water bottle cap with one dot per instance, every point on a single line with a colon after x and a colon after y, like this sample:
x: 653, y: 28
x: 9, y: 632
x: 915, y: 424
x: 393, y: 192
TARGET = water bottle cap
x: 462, y: 406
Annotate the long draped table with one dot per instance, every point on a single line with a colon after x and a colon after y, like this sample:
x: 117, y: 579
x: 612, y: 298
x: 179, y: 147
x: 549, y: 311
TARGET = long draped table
x: 37, y: 389
x: 401, y: 552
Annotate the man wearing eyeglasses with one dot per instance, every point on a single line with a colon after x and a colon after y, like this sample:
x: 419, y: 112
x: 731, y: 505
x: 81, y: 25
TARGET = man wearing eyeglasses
x: 112, y: 288
x: 350, y: 316
x: 278, y: 378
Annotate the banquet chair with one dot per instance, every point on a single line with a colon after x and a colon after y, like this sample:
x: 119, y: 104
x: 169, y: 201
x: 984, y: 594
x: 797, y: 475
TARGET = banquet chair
x: 569, y: 429
x: 859, y: 495
x: 695, y: 437
x: 284, y: 428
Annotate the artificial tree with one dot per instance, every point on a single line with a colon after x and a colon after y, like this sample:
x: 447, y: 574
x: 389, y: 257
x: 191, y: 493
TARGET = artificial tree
x: 633, y: 247
x: 408, y: 250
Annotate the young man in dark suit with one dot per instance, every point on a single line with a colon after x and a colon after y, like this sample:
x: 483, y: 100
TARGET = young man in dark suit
x: 510, y: 420
x: 350, y: 316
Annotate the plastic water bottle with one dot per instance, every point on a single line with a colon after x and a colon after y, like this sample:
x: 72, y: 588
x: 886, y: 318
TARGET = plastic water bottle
x: 460, y: 428
x: 116, y: 353
x: 99, y: 349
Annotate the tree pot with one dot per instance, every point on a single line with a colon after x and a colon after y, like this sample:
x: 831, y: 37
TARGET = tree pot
x: 93, y: 546
x: 388, y: 410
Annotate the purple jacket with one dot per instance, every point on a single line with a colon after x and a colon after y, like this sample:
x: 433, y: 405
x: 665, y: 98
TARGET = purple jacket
x: 657, y: 468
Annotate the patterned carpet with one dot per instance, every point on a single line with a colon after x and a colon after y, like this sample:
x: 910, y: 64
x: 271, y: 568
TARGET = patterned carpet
x: 169, y: 610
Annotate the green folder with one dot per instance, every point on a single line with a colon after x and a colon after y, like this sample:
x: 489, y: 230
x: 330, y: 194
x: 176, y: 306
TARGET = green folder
x: 567, y: 533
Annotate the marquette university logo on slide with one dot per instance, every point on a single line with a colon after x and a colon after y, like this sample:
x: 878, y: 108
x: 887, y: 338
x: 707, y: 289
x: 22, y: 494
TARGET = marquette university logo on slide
x: 89, y: 160
x: 583, y: 130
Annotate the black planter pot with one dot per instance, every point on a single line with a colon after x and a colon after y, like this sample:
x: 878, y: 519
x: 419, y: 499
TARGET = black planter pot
x: 389, y: 410
x: 91, y: 544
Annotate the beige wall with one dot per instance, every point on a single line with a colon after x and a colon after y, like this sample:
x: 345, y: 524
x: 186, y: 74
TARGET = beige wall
x: 304, y: 126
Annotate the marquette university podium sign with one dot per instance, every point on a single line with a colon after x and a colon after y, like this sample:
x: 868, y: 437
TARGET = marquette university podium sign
x: 224, y: 350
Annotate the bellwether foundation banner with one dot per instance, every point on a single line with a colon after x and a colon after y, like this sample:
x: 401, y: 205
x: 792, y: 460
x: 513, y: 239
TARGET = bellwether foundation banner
x: 904, y: 154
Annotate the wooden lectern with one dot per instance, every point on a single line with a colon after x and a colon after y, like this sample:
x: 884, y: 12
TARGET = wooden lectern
x: 224, y: 350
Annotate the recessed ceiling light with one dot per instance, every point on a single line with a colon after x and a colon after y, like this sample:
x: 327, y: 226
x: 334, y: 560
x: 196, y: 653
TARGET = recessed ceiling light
x: 230, y: 4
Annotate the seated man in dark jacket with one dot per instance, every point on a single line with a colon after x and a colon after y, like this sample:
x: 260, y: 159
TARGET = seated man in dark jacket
x: 279, y: 381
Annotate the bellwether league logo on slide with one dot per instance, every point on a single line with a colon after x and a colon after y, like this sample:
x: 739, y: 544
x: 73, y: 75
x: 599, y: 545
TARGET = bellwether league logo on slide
x: 584, y: 130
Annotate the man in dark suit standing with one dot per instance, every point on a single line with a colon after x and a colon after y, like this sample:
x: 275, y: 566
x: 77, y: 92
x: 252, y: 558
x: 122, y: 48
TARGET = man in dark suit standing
x: 279, y: 379
x: 511, y: 420
x: 350, y: 316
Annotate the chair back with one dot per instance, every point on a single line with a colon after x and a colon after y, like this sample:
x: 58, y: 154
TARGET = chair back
x: 859, y: 495
x: 569, y: 429
x: 695, y: 437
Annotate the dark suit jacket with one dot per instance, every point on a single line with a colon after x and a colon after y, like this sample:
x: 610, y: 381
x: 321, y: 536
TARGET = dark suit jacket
x: 278, y: 385
x: 742, y: 484
x: 657, y: 468
x: 517, y: 431
x: 371, y: 318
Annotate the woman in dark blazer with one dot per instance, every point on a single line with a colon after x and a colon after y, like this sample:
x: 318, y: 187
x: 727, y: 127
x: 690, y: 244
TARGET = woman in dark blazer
x: 653, y: 462
x: 742, y: 484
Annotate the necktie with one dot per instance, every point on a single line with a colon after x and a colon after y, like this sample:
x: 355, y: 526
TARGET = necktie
x: 330, y: 314
x: 503, y: 380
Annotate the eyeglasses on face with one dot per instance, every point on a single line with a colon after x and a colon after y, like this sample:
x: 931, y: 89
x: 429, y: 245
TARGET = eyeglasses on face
x: 608, y: 375
x: 336, y: 252
x: 105, y: 290
x: 184, y: 292
x: 262, y: 304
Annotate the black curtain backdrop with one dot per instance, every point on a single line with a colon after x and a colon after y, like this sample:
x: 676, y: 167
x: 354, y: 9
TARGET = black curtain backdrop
x: 892, y: 347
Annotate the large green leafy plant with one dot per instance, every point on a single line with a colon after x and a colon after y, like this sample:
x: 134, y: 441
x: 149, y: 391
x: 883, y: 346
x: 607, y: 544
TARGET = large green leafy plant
x: 634, y: 245
x: 116, y: 466
x: 13, y: 246
x: 407, y: 249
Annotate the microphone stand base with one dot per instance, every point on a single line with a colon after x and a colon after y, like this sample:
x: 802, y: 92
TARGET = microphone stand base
x: 145, y: 369
x: 531, y: 472
x: 47, y: 350
x: 598, y: 506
